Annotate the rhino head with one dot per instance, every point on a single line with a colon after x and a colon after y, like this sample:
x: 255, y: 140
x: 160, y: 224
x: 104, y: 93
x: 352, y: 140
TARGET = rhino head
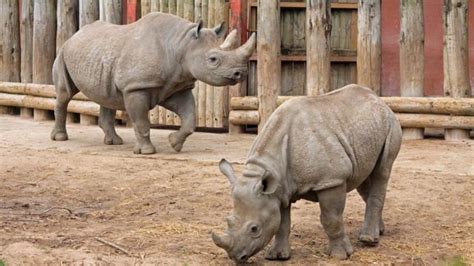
x: 212, y: 61
x: 256, y: 214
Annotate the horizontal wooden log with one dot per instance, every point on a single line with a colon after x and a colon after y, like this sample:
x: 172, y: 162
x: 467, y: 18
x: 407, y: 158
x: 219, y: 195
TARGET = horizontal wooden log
x: 251, y: 117
x: 431, y: 105
x: 81, y: 107
x: 42, y: 90
x: 435, y: 121
x: 425, y: 105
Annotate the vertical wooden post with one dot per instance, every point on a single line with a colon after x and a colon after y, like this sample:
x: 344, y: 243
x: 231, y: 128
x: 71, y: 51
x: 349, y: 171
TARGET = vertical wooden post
x: 10, y: 41
x: 111, y: 11
x: 67, y: 21
x: 44, y: 48
x: 26, y: 32
x: 369, y: 50
x: 221, y: 10
x: 455, y: 57
x: 412, y: 57
x: 211, y: 11
x: 268, y: 58
x: 164, y: 6
x: 238, y: 20
x: 149, y: 6
x: 318, y: 47
x: 202, y: 86
x: 88, y: 12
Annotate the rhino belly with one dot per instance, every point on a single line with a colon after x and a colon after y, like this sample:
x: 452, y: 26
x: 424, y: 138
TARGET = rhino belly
x: 92, y: 73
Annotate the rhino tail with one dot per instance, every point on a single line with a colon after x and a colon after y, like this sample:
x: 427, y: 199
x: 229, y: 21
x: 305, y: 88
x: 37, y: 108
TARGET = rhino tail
x: 61, y: 78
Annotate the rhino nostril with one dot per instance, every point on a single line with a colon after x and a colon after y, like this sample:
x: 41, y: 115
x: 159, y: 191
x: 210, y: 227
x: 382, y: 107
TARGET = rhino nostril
x: 243, y: 257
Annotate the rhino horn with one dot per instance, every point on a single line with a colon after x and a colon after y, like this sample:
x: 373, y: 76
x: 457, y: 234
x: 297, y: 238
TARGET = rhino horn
x: 246, y: 50
x: 224, y: 241
x: 231, y: 41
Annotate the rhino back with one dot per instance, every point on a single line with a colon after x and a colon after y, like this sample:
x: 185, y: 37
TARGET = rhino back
x: 332, y: 138
x: 103, y: 59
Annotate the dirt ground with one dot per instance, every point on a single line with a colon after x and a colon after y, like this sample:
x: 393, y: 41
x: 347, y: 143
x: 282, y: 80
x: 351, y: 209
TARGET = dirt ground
x: 57, y: 198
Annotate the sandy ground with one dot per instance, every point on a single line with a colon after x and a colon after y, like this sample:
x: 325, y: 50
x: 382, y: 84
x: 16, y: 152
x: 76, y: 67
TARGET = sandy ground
x: 57, y: 198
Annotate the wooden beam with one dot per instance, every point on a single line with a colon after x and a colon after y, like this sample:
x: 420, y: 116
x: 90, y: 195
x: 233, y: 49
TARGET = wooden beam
x: 269, y: 66
x: 318, y: 47
x: 455, y: 57
x: 369, y: 48
x: 251, y: 117
x: 427, y: 105
x: 41, y: 103
x: 41, y: 90
x: 67, y: 21
x: 111, y: 11
x: 412, y: 56
x: 44, y: 41
x: 88, y: 12
x: 132, y: 8
x: 10, y: 61
x: 26, y: 37
x: 302, y: 5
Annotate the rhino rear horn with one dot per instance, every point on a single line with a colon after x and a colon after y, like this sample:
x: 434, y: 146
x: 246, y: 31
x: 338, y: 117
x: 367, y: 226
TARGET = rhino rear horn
x: 231, y: 41
x: 220, y: 30
x: 246, y: 50
x: 197, y: 29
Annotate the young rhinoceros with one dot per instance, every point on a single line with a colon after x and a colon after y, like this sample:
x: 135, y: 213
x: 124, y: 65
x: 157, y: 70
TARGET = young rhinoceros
x: 134, y: 67
x: 318, y: 149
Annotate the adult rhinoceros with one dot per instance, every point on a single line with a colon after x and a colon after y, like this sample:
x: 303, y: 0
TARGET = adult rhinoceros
x: 314, y: 148
x: 154, y: 61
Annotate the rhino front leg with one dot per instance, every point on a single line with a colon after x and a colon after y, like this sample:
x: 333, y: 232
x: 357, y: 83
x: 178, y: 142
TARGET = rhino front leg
x: 182, y: 103
x: 332, y: 202
x: 280, y: 249
x: 137, y: 105
x: 107, y: 123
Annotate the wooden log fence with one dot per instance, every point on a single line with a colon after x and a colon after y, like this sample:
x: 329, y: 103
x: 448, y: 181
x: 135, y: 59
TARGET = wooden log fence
x: 433, y: 112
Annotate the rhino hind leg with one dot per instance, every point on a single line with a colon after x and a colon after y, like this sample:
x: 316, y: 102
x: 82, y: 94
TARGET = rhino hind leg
x: 65, y: 90
x: 332, y: 202
x: 373, y: 191
x: 107, y: 123
x: 137, y: 106
x: 182, y: 103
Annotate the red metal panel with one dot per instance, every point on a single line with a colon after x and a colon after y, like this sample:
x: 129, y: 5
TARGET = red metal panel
x: 390, y: 48
x: 238, y: 17
x: 131, y: 9
x: 433, y: 47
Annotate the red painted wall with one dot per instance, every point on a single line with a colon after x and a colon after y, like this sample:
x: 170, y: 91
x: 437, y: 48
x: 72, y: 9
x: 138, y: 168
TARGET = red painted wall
x: 433, y: 47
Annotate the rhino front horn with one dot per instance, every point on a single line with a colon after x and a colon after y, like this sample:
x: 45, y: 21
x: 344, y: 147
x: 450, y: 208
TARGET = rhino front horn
x: 246, y: 50
x: 223, y: 241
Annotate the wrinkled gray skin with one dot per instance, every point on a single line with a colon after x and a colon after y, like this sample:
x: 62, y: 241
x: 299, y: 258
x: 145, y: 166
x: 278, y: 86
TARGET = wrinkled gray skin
x: 318, y: 149
x: 134, y: 67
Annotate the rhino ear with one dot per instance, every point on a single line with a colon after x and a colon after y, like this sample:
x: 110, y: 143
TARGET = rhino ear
x: 227, y: 169
x: 195, y: 31
x: 220, y: 30
x: 267, y: 184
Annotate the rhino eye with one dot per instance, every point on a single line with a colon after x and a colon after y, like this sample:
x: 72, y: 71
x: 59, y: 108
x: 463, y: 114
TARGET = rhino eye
x: 213, y: 60
x: 254, y: 230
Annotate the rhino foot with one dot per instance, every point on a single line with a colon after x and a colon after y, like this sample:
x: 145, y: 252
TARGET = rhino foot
x: 340, y: 249
x: 144, y: 149
x: 277, y: 252
x: 369, y: 240
x: 175, y: 141
x: 59, y: 135
x: 113, y: 140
